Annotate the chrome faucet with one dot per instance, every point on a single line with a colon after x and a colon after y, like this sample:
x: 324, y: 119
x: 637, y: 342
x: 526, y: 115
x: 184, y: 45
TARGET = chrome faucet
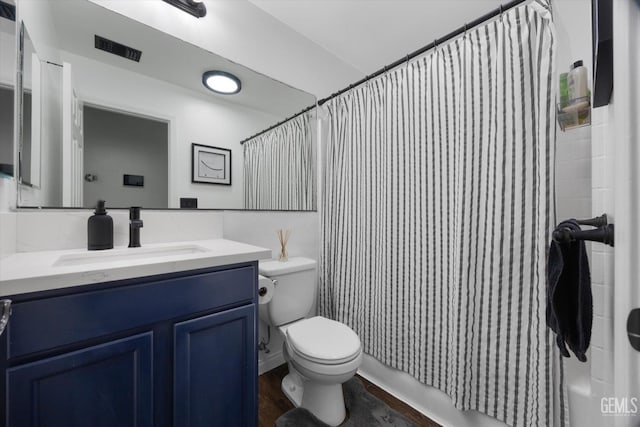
x: 135, y: 224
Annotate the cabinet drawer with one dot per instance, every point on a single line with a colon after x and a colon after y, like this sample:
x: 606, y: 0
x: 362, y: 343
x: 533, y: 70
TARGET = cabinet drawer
x: 47, y: 323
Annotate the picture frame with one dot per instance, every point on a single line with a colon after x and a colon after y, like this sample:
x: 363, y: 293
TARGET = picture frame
x: 210, y: 165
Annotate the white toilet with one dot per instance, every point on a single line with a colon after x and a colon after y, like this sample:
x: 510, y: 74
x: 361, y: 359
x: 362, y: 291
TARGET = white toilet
x: 321, y: 353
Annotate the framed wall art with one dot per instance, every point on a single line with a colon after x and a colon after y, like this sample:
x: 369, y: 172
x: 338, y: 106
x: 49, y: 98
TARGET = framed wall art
x: 210, y: 165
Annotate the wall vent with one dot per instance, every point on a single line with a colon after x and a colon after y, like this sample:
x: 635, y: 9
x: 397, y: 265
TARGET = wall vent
x: 118, y: 49
x: 7, y: 11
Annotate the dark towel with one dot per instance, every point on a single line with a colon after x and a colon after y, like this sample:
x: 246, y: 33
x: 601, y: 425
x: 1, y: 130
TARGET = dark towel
x: 569, y: 300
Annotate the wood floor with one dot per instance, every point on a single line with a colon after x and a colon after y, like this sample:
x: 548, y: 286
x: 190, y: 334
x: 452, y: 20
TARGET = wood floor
x: 272, y: 402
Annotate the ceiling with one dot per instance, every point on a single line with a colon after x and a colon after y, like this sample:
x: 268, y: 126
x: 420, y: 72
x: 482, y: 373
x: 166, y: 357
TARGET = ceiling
x: 319, y: 46
x: 368, y: 34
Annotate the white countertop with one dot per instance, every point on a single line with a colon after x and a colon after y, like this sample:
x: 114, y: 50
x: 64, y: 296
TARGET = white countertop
x: 40, y: 271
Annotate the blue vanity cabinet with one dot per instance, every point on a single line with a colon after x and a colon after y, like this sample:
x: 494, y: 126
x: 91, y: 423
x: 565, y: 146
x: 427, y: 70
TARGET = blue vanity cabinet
x: 109, y: 384
x: 212, y: 370
x: 161, y: 351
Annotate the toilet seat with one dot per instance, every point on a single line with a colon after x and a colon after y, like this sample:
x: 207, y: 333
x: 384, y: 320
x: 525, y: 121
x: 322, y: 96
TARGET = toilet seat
x: 323, y: 341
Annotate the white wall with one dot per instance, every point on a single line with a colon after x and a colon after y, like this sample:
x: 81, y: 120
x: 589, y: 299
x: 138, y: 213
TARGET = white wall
x: 117, y: 144
x: 192, y: 117
x: 41, y: 29
x: 259, y: 228
x: 48, y: 88
x: 67, y: 229
x: 7, y: 218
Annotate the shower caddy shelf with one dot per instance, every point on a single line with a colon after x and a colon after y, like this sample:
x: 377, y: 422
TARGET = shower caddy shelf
x: 575, y: 114
x: 603, y: 233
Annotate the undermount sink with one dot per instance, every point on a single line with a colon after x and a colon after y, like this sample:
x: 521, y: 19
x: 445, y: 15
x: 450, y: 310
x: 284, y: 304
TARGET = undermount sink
x: 125, y: 254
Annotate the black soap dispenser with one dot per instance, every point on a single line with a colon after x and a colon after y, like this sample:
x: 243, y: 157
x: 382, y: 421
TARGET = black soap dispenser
x: 100, y: 229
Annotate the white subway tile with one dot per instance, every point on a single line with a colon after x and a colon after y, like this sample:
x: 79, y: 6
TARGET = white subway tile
x: 609, y: 201
x: 597, y: 115
x: 600, y: 389
x: 596, y: 264
x: 598, y: 174
x: 597, y: 334
x: 609, y: 271
x: 601, y: 364
x: 597, y: 201
x: 604, y: 306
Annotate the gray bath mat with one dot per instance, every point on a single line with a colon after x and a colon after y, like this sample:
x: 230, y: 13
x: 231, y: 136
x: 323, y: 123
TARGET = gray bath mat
x: 363, y: 410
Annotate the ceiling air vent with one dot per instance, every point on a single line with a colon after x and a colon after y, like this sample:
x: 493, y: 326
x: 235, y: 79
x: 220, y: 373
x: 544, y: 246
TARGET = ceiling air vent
x: 7, y: 11
x: 118, y: 49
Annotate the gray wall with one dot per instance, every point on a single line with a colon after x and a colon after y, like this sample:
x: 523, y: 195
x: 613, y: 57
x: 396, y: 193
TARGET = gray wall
x: 116, y: 144
x: 6, y: 125
x: 6, y: 131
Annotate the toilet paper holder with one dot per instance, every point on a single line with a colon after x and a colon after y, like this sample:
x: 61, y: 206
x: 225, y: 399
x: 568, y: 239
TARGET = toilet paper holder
x: 263, y: 291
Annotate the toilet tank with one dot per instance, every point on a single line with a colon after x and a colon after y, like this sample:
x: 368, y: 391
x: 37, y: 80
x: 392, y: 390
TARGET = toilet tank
x: 294, y: 293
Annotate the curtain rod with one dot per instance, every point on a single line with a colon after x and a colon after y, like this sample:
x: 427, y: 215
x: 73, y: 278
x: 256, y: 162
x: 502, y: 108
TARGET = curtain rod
x: 484, y: 18
x: 496, y: 12
x: 310, y: 107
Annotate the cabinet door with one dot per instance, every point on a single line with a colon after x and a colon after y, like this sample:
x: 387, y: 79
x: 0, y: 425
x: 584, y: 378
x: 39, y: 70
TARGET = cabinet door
x: 215, y: 372
x: 105, y: 385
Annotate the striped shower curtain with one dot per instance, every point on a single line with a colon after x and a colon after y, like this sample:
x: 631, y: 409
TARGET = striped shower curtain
x: 279, y: 171
x: 437, y: 211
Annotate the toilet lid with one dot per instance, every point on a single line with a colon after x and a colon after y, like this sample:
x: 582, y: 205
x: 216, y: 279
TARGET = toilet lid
x: 323, y: 340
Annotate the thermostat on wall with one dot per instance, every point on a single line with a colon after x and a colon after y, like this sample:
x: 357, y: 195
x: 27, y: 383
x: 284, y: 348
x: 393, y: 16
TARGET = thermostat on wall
x: 133, y: 180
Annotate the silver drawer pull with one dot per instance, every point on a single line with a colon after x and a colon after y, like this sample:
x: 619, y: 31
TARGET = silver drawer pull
x: 5, y: 307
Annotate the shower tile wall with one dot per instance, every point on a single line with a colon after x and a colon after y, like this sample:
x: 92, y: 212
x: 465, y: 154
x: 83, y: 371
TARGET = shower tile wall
x: 574, y: 200
x: 602, y: 278
x: 573, y: 174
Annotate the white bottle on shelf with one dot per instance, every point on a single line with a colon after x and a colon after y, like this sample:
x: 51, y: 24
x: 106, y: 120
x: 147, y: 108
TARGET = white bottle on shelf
x: 577, y: 82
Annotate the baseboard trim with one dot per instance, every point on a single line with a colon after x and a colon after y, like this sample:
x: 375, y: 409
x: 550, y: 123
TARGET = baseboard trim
x: 269, y: 361
x: 427, y: 400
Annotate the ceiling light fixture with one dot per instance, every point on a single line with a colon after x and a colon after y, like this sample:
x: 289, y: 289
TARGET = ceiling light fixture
x: 221, y: 82
x: 194, y: 7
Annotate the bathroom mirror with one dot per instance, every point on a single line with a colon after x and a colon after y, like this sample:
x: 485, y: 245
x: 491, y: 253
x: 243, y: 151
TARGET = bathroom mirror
x: 29, y: 149
x: 122, y: 128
